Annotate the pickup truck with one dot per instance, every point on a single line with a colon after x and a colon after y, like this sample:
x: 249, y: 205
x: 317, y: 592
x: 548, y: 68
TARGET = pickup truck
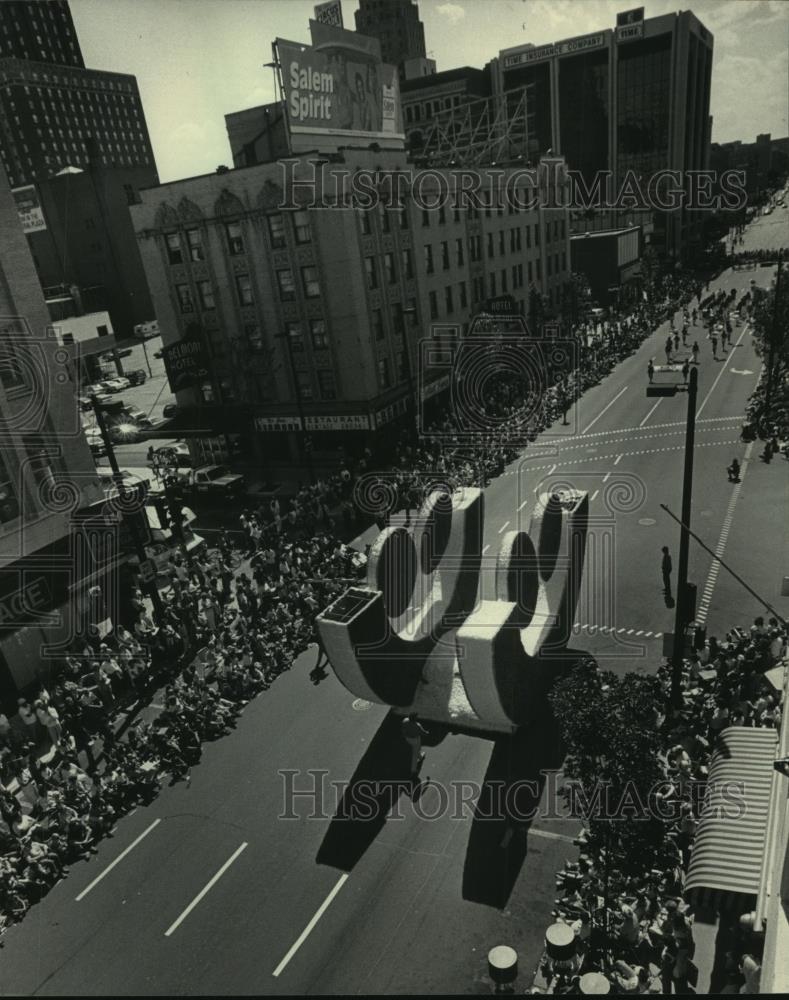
x: 213, y: 480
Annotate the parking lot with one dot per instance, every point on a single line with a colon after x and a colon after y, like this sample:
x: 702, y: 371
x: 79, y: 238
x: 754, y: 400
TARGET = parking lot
x: 151, y: 398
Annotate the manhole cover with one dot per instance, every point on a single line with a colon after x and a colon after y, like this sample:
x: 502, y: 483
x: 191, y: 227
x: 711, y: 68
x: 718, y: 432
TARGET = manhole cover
x: 360, y: 705
x: 647, y: 521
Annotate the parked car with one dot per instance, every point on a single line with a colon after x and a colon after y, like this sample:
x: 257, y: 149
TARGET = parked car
x: 117, y: 384
x: 170, y: 410
x: 177, y: 454
x: 137, y: 377
x: 139, y: 416
x: 214, y: 481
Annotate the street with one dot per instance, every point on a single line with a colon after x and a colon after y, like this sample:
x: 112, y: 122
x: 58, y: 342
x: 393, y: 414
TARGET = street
x: 209, y: 891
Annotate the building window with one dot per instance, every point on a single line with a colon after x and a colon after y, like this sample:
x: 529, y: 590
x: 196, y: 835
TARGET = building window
x: 384, y: 380
x: 459, y: 251
x: 254, y: 336
x: 490, y: 245
x: 528, y: 269
x: 403, y: 213
x: 304, y: 385
x: 407, y: 263
x: 445, y: 255
x: 244, y: 289
x: 378, y: 324
x: 364, y: 219
x: 492, y: 283
x: 536, y: 234
x: 442, y: 215
x: 174, y: 252
x: 295, y: 336
x: 428, y: 259
x: 433, y: 305
x: 276, y: 231
x: 184, y: 294
x: 371, y: 271
x: 448, y: 301
x: 389, y: 268
x: 206, y: 295
x: 312, y: 287
x: 463, y: 295
x: 301, y: 226
x: 320, y: 338
x: 326, y: 384
x: 235, y: 241
x: 384, y: 217
x: 502, y: 244
x: 538, y: 267
x: 287, y: 287
x: 425, y: 217
x: 195, y: 241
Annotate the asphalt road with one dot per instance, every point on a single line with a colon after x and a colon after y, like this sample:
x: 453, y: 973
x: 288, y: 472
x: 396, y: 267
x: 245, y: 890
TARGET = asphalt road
x: 210, y: 890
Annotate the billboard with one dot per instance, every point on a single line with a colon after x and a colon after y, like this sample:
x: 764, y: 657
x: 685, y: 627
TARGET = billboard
x: 338, y: 87
x: 329, y: 13
x: 31, y: 215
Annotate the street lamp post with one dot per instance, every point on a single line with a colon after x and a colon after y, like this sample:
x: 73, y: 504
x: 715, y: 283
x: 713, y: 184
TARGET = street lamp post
x: 680, y: 619
x: 129, y: 518
x: 305, y: 451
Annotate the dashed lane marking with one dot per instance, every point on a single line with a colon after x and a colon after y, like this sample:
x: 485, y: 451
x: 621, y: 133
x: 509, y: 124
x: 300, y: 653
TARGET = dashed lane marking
x: 503, y: 526
x: 118, y: 860
x: 308, y: 929
x: 712, y: 577
x: 613, y: 630
x: 205, y: 890
x: 604, y: 410
x: 650, y: 413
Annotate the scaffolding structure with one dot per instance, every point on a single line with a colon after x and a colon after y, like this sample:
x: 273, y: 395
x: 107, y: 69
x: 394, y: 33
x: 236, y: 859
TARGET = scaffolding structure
x: 481, y: 131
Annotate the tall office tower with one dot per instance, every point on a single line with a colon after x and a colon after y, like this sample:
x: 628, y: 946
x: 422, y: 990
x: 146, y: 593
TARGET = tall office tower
x: 51, y: 105
x: 630, y: 99
x: 396, y: 25
x: 42, y: 32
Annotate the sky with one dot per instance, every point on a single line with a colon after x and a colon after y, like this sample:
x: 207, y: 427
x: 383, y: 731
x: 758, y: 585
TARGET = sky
x: 197, y: 60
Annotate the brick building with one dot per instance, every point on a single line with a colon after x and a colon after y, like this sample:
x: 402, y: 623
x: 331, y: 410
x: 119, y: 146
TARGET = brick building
x: 316, y: 314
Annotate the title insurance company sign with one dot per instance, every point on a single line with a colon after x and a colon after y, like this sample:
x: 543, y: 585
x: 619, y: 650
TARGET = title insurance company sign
x: 568, y: 47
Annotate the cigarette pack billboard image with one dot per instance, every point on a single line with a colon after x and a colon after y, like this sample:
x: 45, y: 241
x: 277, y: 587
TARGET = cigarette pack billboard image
x: 338, y: 85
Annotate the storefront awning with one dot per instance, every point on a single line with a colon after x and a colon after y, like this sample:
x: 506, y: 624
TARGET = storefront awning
x: 730, y: 840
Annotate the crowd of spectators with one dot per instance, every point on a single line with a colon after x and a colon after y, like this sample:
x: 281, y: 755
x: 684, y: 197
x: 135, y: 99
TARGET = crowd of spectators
x: 649, y: 945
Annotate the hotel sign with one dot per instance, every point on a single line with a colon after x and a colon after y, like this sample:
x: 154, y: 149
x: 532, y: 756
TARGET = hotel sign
x: 329, y: 13
x: 567, y: 47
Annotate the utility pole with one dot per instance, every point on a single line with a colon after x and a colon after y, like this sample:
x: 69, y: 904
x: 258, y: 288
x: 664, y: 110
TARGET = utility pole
x: 129, y: 518
x: 774, y: 335
x: 306, y: 452
x: 680, y: 622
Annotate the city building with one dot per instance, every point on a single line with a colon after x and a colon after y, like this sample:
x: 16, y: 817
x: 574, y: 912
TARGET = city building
x: 49, y: 571
x: 426, y: 100
x: 396, y: 25
x: 764, y: 162
x: 630, y: 98
x: 310, y: 319
x: 610, y: 260
x: 43, y: 32
x: 257, y: 135
x: 88, y: 243
x: 50, y: 109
